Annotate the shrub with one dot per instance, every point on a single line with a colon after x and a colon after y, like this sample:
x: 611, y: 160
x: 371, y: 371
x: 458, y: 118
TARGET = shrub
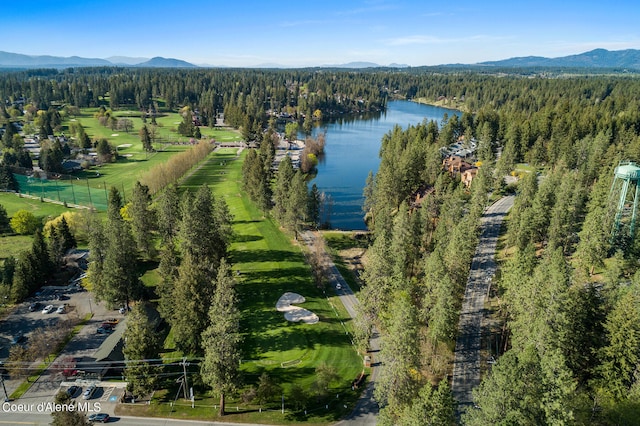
x: 24, y: 223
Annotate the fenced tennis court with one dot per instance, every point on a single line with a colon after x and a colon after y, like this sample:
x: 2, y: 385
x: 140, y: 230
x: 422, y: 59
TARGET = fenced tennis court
x: 65, y: 189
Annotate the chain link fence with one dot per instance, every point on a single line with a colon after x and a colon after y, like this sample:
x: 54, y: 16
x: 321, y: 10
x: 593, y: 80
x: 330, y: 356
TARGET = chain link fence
x: 66, y: 189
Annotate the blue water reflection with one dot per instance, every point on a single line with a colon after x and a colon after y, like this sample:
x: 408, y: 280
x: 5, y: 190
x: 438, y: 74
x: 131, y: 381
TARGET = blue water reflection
x: 351, y: 151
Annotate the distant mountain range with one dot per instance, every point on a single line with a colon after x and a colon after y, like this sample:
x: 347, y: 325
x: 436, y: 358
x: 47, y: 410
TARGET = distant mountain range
x: 17, y: 60
x: 598, y: 58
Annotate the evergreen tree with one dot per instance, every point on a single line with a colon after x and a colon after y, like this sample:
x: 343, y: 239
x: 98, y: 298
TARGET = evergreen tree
x: 443, y: 316
x: 56, y: 251
x: 314, y: 201
x: 8, y: 271
x: 8, y: 181
x: 282, y: 189
x: 4, y: 220
x: 296, y: 206
x: 404, y: 244
x: 114, y: 204
x: 142, y: 219
x: 119, y: 282
x: 594, y: 245
x: 42, y: 266
x: 145, y: 138
x: 621, y: 354
x: 51, y: 157
x: 168, y: 213
x: 168, y: 271
x: 192, y: 294
x: 398, y: 382
x: 141, y: 344
x: 60, y: 241
x: 376, y: 294
x: 69, y: 241
x: 510, y: 394
x: 24, y: 277
x: 97, y: 250
x: 434, y: 406
x: 221, y: 340
x: 205, y: 228
x: 67, y: 417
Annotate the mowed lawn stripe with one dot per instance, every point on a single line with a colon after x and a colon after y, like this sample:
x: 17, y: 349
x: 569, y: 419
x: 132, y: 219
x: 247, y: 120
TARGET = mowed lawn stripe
x: 270, y: 265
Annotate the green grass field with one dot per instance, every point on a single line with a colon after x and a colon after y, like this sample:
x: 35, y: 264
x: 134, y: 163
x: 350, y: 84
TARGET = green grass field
x: 133, y: 161
x: 271, y: 264
x: 12, y: 245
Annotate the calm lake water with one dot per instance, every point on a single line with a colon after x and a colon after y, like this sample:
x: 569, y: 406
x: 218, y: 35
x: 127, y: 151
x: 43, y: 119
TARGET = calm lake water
x: 351, y: 151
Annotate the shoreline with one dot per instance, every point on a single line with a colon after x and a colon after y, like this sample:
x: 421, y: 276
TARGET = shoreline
x: 425, y: 101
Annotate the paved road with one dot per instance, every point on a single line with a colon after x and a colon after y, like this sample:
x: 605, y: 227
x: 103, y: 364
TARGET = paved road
x: 466, y: 367
x: 36, y: 418
x: 366, y: 410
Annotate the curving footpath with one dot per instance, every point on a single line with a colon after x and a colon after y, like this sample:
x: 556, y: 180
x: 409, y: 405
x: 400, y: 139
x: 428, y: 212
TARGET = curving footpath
x: 366, y: 410
x: 466, y: 365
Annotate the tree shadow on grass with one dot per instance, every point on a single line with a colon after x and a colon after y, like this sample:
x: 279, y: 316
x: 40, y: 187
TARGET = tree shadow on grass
x: 238, y: 222
x: 250, y: 256
x: 300, y: 337
x: 246, y: 238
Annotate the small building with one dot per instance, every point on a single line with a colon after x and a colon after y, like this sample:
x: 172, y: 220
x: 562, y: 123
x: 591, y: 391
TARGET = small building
x: 77, y: 258
x: 468, y: 175
x: 456, y: 165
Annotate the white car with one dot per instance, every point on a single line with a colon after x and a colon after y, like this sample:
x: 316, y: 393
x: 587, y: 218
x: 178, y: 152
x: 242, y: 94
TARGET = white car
x: 60, y: 309
x: 88, y: 393
x: 47, y: 309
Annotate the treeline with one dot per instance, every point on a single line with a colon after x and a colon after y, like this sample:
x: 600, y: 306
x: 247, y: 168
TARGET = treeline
x: 43, y: 262
x: 167, y: 173
x: 538, y: 114
x: 568, y: 292
x: 243, y: 95
x: 196, y: 295
x: 570, y: 303
x: 282, y: 192
x: 416, y: 271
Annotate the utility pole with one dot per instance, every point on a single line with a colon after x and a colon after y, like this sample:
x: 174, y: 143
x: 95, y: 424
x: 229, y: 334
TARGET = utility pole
x: 6, y: 397
x: 184, y: 364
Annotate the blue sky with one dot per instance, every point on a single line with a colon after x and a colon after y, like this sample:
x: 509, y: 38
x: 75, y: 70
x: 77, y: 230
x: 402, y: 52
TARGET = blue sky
x: 308, y: 33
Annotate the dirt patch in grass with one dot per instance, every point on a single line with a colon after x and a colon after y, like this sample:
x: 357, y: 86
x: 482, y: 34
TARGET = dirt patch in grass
x: 353, y: 259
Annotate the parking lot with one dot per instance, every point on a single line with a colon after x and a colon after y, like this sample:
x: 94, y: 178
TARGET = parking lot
x: 24, y: 322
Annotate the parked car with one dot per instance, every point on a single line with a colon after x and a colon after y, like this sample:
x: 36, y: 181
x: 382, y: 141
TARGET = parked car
x: 18, y: 338
x: 61, y: 309
x: 73, y: 390
x: 34, y: 306
x: 99, y: 417
x: 108, y: 325
x: 112, y: 321
x: 88, y: 393
x: 47, y: 309
x: 102, y: 330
